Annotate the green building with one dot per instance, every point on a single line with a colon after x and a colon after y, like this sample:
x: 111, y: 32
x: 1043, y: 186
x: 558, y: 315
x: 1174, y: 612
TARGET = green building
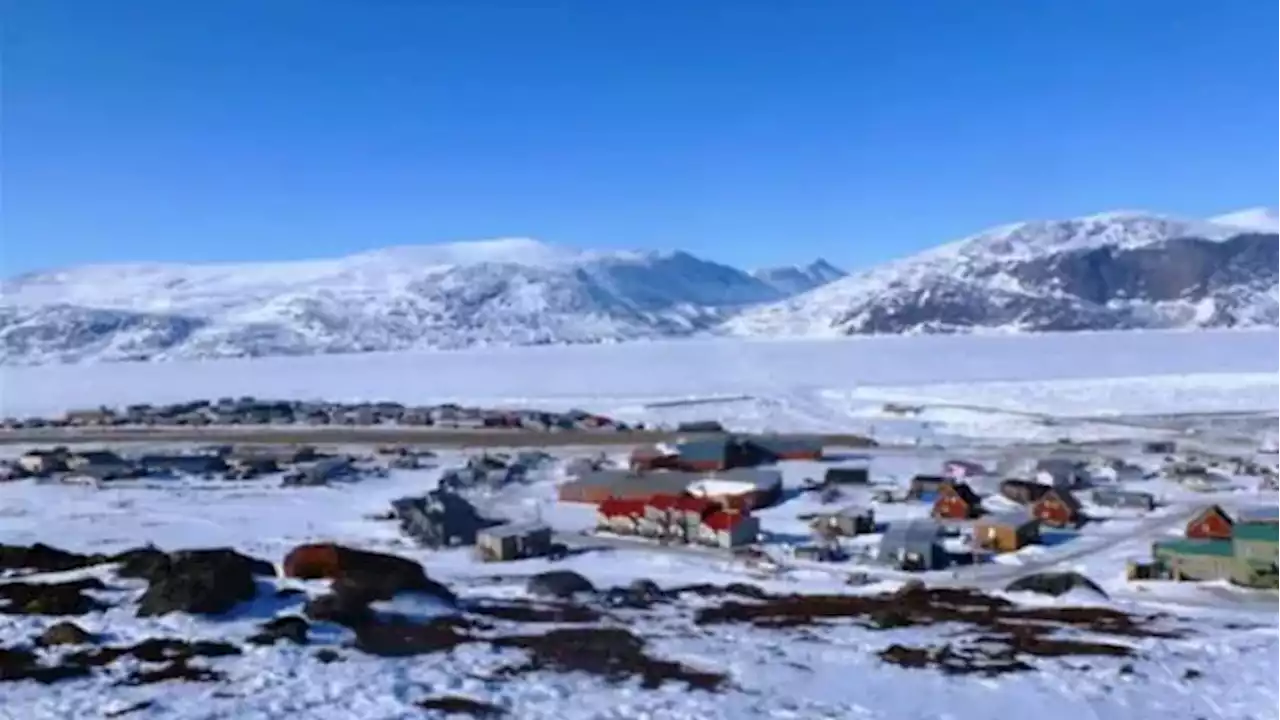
x: 1249, y: 558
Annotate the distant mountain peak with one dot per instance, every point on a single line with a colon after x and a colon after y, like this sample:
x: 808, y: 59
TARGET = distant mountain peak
x: 795, y: 279
x: 1259, y: 219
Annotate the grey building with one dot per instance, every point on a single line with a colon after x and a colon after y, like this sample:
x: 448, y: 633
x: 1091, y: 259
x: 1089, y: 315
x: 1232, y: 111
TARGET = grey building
x: 912, y: 545
x: 1131, y: 499
x: 322, y: 472
x: 439, y: 519
x: 1061, y: 472
x: 846, y: 522
x: 514, y: 541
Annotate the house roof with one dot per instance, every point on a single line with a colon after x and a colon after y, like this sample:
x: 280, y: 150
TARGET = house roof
x: 962, y: 491
x: 911, y: 533
x: 616, y: 507
x: 1256, y: 531
x: 928, y: 479
x: 1066, y: 497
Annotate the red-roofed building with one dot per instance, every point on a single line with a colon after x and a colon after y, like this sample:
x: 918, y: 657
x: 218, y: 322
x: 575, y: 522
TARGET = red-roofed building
x: 729, y: 529
x: 620, y: 516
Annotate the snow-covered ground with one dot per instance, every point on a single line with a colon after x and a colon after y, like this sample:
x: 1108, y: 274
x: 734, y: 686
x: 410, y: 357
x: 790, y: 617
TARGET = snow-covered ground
x: 832, y: 385
x: 830, y: 672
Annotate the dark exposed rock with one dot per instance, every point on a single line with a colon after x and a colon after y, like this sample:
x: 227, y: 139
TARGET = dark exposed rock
x: 153, y: 650
x: 344, y: 610
x: 611, y: 653
x: 207, y: 582
x: 456, y: 705
x: 290, y: 627
x: 145, y: 563
x: 18, y: 664
x: 65, y: 633
x: 53, y: 598
x: 1054, y: 583
x: 326, y: 656
x: 559, y: 584
x: 399, y: 638
x: 43, y: 558
x: 535, y: 612
x: 176, y: 670
x: 136, y: 707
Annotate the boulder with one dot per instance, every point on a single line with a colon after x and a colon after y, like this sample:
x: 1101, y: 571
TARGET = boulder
x: 559, y: 584
x: 50, y: 598
x: 65, y: 633
x: 43, y: 558
x: 1054, y: 583
x: 289, y: 627
x: 361, y: 574
x: 204, y: 582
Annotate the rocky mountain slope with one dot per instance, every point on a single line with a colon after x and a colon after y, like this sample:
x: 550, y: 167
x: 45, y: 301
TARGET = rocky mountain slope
x: 500, y: 292
x: 1104, y: 272
x: 796, y: 279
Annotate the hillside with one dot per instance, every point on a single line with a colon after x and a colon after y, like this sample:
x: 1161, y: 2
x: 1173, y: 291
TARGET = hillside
x: 500, y: 292
x: 1113, y: 271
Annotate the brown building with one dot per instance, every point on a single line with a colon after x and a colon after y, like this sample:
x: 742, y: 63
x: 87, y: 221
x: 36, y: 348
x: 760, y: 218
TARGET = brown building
x: 1058, y: 508
x: 957, y: 501
x: 1023, y: 492
x: 1213, y: 523
x: 1006, y: 532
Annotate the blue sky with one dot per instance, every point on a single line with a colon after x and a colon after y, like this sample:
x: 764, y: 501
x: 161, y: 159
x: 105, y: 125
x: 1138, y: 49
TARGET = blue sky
x: 746, y: 131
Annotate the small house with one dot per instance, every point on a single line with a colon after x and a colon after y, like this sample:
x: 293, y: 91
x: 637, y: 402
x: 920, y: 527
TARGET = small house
x: 719, y: 453
x: 439, y: 519
x: 103, y: 458
x: 1127, y: 499
x: 912, y: 545
x: 1160, y: 447
x: 847, y: 476
x: 1197, y: 559
x: 847, y: 522
x: 925, y: 487
x: 1211, y: 523
x: 700, y: 426
x: 1058, y: 508
x: 514, y: 541
x: 194, y: 464
x: 43, y: 462
x: 957, y: 501
x: 772, y: 448
x: 1023, y: 492
x: 1007, y: 532
x: 1060, y: 472
x: 961, y: 469
x: 729, y: 529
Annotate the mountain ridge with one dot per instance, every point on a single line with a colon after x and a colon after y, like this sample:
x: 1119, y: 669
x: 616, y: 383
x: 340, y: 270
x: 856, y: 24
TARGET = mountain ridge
x: 1117, y: 270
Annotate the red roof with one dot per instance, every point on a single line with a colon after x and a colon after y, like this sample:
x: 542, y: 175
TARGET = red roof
x: 689, y: 503
x: 663, y: 502
x: 721, y: 520
x: 618, y: 507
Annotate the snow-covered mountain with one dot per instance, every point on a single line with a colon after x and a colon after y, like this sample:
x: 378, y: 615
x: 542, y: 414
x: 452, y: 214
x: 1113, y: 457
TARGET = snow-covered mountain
x: 1111, y: 271
x: 795, y: 279
x: 1257, y: 219
x: 499, y: 292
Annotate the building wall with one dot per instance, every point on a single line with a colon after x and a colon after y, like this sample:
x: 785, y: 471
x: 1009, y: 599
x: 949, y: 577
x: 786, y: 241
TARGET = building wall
x: 952, y: 507
x: 1054, y: 513
x: 1201, y: 567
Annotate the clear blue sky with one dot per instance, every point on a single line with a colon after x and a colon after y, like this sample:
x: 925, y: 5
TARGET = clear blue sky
x: 750, y: 131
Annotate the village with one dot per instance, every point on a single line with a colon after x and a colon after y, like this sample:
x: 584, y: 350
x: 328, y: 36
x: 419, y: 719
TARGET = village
x: 767, y: 500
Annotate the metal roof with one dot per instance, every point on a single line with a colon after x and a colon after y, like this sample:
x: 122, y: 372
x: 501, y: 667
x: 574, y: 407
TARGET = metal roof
x: 1256, y: 531
x: 1015, y: 518
x: 1258, y: 514
x: 1219, y: 548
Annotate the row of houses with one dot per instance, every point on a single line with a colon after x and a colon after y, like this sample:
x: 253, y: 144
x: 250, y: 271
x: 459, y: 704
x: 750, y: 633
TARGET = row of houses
x: 301, y: 464
x: 744, y: 488
x: 726, y: 452
x: 1216, y: 545
x: 680, y: 519
x: 258, y: 411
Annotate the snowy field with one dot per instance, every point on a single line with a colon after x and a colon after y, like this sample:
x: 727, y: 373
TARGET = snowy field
x: 828, y: 385
x: 829, y: 671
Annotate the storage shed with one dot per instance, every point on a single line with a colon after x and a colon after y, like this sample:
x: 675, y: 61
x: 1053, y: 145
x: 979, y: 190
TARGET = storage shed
x: 912, y: 545
x: 1007, y: 532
